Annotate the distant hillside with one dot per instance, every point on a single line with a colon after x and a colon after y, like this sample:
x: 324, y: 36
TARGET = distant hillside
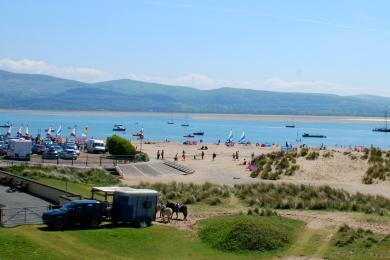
x: 28, y: 91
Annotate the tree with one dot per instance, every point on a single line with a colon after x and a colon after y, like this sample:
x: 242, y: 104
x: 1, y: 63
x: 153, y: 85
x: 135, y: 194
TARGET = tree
x: 119, y: 146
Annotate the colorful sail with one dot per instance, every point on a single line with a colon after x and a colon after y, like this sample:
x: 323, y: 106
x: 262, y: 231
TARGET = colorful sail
x: 9, y: 131
x: 242, y: 139
x: 26, y: 133
x: 230, y: 136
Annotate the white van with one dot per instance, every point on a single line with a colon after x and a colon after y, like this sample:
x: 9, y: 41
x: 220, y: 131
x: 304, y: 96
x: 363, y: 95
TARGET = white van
x: 19, y: 149
x: 96, y: 146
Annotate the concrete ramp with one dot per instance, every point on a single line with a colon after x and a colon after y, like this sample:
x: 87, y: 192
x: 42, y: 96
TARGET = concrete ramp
x: 153, y: 169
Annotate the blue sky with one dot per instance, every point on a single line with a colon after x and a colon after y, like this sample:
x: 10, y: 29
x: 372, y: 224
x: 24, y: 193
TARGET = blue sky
x: 328, y: 46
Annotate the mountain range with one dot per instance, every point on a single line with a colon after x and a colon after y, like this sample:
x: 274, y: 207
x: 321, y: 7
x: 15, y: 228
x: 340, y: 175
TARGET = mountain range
x: 36, y: 91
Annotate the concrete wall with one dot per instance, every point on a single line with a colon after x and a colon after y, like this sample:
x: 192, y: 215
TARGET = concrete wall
x: 46, y: 192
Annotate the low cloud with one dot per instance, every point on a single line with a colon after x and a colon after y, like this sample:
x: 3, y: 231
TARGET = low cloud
x: 41, y: 67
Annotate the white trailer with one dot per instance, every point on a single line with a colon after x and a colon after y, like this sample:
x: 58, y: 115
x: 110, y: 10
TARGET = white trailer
x: 96, y: 146
x: 19, y: 149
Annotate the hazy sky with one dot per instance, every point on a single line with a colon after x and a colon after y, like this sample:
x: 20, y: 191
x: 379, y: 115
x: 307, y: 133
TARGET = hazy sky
x: 337, y: 46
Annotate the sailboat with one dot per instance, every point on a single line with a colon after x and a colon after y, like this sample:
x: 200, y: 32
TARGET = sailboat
x: 242, y: 139
x: 186, y: 123
x: 383, y: 129
x: 171, y: 121
x: 229, y: 140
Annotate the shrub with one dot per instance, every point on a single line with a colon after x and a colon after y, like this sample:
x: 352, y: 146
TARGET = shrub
x: 248, y: 233
x: 312, y: 155
x: 119, y: 146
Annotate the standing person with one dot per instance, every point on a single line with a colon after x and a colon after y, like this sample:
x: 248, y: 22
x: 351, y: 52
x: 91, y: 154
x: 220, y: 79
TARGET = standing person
x: 234, y: 156
x: 183, y: 156
x: 237, y: 155
x: 158, y: 154
x: 162, y: 154
x: 214, y: 155
x: 253, y: 156
x: 202, y: 154
x: 175, y: 158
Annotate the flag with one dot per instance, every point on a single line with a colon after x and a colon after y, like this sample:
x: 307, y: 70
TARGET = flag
x: 85, y: 132
x: 73, y: 133
x: 49, y: 132
x: 59, y: 131
x: 9, y: 131
x: 19, y: 133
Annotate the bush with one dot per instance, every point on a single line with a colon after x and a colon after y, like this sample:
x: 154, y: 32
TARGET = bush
x: 119, y: 146
x: 248, y: 233
x: 312, y: 155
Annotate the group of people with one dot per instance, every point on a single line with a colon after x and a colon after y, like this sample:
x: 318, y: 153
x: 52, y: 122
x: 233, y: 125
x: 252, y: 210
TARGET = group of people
x: 184, y: 156
x: 160, y: 155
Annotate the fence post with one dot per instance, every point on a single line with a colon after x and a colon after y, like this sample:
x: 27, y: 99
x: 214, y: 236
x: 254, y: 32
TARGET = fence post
x: 86, y: 160
x: 100, y: 161
x: 72, y: 160
x: 25, y: 215
x: 58, y: 160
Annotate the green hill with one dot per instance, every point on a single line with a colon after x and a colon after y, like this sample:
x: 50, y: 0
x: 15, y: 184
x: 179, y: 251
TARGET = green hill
x: 29, y: 91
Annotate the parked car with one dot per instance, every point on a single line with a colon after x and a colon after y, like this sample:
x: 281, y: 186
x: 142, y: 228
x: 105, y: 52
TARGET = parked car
x: 77, y: 212
x: 50, y: 153
x: 57, y: 147
x: 38, y: 148
x: 68, y: 154
x: 73, y: 146
x: 96, y: 146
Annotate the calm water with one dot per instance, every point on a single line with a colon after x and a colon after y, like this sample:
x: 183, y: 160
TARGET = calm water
x: 156, y: 128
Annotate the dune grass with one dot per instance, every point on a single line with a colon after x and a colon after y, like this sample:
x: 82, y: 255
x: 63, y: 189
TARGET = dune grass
x: 349, y: 243
x: 291, y: 196
x: 190, y: 193
x: 379, y: 169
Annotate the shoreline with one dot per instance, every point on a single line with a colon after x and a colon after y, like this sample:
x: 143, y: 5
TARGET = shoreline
x: 212, y: 116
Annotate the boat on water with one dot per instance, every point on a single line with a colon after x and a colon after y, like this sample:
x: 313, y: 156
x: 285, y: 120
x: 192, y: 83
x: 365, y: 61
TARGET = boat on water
x: 186, y: 124
x: 170, y: 123
x: 6, y: 125
x: 384, y: 129
x: 198, y: 133
x: 313, y: 135
x: 290, y: 126
x: 189, y: 136
x: 119, y: 128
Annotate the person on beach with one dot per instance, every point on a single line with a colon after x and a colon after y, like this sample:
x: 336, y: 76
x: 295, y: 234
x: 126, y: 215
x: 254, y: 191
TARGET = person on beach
x: 202, y: 155
x: 234, y: 156
x: 183, y: 156
x: 175, y: 158
x: 162, y: 154
x: 237, y: 155
x: 214, y: 155
x: 158, y: 154
x: 253, y: 156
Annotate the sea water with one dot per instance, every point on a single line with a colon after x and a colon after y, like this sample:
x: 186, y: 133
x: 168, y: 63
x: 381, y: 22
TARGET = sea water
x: 155, y: 127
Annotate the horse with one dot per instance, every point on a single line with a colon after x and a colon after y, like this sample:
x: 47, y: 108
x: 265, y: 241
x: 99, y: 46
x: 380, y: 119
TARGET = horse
x: 166, y: 213
x: 177, y: 208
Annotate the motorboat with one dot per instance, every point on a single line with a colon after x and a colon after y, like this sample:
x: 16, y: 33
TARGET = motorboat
x: 306, y: 135
x: 119, y: 128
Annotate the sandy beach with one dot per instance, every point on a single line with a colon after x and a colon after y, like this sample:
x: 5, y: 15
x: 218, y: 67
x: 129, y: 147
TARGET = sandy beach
x: 343, y: 171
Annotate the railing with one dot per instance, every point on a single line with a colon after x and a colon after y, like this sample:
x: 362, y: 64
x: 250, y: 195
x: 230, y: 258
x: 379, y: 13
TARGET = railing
x: 10, y: 217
